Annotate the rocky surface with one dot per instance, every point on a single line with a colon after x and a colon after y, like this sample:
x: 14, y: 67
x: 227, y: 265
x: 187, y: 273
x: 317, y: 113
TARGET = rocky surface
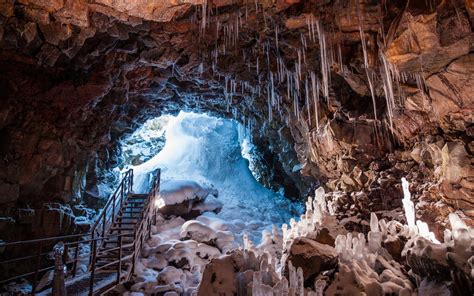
x: 78, y: 76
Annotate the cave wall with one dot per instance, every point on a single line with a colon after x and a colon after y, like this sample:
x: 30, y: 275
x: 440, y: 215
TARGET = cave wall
x: 77, y: 76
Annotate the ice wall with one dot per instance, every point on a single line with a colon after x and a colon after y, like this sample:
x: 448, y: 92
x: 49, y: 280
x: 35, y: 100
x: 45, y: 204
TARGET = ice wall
x: 208, y: 149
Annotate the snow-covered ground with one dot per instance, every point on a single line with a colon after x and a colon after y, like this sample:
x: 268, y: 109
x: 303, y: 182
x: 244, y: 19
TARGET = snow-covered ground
x: 207, y: 149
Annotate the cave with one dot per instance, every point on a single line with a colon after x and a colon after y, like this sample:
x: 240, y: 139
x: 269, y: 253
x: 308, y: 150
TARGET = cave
x: 231, y: 147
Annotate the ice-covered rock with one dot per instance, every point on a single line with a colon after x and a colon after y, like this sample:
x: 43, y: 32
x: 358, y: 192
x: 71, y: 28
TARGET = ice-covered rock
x: 176, y: 191
x: 182, y: 197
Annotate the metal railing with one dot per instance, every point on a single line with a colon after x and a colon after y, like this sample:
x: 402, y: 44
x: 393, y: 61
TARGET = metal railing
x: 82, y: 249
x: 141, y: 232
x: 113, y: 206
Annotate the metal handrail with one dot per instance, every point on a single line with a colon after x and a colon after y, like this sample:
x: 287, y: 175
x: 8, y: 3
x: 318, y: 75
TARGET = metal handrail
x: 121, y: 193
x: 141, y: 232
x: 96, y: 238
x: 148, y: 215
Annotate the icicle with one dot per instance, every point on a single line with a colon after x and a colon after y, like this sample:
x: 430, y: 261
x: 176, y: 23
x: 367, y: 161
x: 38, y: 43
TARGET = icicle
x: 299, y: 67
x: 315, y: 90
x: 257, y: 67
x: 324, y: 62
x: 366, y: 60
x: 308, y: 108
x: 388, y: 88
x: 204, y: 17
x: 269, y: 104
x: 276, y: 37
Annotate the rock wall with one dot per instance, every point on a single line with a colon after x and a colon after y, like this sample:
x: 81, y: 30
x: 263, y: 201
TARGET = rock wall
x: 77, y: 76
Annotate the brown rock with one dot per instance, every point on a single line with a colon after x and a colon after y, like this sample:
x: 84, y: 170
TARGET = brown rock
x: 75, y: 12
x: 297, y: 22
x: 219, y: 277
x: 457, y: 172
x: 418, y: 48
x: 312, y: 257
x: 6, y: 8
x: 394, y: 246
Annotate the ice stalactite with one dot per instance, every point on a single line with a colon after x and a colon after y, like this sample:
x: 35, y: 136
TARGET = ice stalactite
x: 324, y: 60
x: 204, y: 17
x: 307, y: 101
x: 387, y: 80
x: 276, y: 37
x: 366, y: 59
x: 315, y: 93
x: 311, y: 21
x: 367, y: 70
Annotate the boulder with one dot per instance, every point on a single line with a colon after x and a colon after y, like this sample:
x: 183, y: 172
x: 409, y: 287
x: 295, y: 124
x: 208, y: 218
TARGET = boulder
x: 312, y: 257
x: 219, y: 277
x: 184, y: 198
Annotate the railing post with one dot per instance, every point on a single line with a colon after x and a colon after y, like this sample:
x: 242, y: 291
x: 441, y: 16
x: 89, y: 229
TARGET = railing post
x: 122, y: 192
x: 119, y: 269
x: 92, y: 246
x: 76, y: 254
x: 94, y: 255
x: 134, y: 250
x: 103, y: 224
x: 59, y: 284
x: 38, y: 262
x: 113, y: 208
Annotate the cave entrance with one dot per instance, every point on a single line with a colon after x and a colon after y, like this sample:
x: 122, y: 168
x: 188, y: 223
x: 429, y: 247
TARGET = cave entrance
x: 208, y: 150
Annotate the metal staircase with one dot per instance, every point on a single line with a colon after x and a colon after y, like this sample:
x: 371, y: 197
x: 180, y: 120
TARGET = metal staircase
x: 110, y: 249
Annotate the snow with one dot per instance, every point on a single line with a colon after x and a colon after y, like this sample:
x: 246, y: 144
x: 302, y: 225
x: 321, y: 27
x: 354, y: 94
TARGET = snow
x: 177, y: 191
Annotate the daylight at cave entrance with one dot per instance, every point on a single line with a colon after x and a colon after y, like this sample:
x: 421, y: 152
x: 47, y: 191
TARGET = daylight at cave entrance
x: 231, y: 147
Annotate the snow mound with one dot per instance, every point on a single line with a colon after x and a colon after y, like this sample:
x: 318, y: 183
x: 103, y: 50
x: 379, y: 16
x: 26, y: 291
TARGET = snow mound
x: 177, y: 191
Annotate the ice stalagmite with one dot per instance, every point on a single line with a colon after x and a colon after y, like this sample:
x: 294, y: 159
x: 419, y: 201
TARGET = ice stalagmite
x: 408, y: 205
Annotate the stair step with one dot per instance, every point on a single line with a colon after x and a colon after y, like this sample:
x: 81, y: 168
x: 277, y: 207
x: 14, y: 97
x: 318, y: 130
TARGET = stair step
x: 122, y: 228
x: 130, y: 215
x: 134, y: 218
x: 143, y: 195
x: 135, y: 197
x: 135, y: 202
